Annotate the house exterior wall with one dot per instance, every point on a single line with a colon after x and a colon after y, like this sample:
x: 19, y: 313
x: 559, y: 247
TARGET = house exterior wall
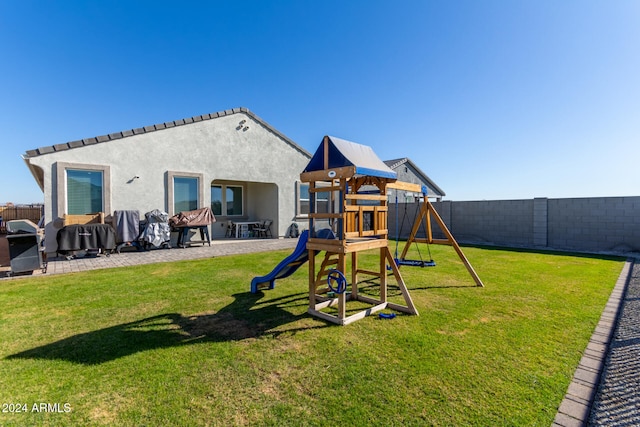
x: 216, y: 149
x: 407, y: 173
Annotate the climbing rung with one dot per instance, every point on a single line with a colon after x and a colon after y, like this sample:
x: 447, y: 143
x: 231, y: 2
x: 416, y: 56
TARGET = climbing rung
x: 369, y: 272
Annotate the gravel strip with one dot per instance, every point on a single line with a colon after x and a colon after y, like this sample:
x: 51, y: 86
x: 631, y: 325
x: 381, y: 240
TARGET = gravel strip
x: 617, y: 401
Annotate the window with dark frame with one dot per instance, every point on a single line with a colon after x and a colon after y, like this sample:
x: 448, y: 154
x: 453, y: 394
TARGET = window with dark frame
x: 227, y: 200
x: 185, y: 193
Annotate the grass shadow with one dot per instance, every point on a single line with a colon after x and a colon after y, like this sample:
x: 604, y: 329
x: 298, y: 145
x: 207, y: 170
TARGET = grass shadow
x: 246, y: 317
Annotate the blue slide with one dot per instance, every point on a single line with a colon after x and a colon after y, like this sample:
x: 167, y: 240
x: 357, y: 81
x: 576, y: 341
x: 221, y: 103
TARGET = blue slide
x: 290, y: 264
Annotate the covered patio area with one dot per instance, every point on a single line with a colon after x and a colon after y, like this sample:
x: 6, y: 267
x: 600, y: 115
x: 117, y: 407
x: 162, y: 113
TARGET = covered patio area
x: 244, y: 209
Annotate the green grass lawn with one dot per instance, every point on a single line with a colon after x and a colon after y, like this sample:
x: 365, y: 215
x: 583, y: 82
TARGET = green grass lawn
x: 187, y: 344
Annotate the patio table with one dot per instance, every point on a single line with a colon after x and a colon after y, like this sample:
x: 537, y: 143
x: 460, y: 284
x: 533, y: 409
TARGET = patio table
x: 245, y: 226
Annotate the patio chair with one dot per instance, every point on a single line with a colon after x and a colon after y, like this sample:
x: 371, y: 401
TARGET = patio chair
x: 231, y: 229
x: 264, y: 229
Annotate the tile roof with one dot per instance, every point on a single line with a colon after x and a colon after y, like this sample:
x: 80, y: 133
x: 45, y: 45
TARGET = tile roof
x: 395, y: 163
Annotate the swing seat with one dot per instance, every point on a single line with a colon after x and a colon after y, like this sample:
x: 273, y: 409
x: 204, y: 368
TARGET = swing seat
x: 415, y: 263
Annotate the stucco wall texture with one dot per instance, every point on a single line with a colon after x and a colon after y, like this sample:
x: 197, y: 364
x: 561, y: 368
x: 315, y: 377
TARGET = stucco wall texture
x: 235, y: 148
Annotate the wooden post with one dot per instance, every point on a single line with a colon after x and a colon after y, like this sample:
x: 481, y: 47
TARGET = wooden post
x: 354, y: 275
x: 342, y: 297
x: 383, y: 274
x: 428, y: 222
x: 325, y: 143
x: 312, y: 279
x: 411, y: 308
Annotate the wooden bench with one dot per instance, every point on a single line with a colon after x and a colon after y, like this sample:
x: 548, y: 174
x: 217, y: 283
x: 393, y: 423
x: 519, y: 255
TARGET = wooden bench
x: 92, y: 218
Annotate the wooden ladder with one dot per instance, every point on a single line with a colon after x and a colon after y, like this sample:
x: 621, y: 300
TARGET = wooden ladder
x: 329, y: 263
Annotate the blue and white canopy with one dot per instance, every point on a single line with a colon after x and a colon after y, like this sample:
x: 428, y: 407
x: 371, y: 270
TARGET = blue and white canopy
x: 334, y: 153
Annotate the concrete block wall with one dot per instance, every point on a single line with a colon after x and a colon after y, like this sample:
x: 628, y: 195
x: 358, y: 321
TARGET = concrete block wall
x: 499, y: 222
x: 610, y: 224
x: 540, y: 222
x: 602, y: 224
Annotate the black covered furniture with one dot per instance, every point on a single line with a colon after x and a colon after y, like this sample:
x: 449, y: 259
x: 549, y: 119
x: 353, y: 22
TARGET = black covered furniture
x: 78, y: 237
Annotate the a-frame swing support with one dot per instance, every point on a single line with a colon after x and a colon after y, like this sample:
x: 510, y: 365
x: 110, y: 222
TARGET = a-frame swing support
x: 426, y: 212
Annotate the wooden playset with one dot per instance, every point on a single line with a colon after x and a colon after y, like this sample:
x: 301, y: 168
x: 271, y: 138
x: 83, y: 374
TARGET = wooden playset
x: 356, y: 181
x: 348, y: 213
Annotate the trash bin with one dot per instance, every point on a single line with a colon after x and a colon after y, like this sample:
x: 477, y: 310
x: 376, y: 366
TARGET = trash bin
x: 24, y: 252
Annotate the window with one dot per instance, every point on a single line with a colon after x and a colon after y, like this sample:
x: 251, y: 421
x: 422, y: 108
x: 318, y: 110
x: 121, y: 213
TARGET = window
x: 322, y: 200
x: 185, y: 194
x: 84, y: 191
x: 303, y: 200
x: 227, y: 200
x: 185, y: 191
x: 234, y: 200
x: 82, y: 188
x: 216, y: 199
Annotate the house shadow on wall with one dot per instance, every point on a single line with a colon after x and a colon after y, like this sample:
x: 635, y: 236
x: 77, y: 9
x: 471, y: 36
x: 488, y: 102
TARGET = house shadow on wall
x: 244, y: 318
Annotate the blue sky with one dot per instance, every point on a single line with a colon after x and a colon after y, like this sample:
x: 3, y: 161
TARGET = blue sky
x: 492, y: 99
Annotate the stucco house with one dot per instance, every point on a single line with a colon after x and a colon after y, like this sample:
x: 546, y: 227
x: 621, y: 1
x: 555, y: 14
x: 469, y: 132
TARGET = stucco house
x: 408, y: 172
x: 231, y: 160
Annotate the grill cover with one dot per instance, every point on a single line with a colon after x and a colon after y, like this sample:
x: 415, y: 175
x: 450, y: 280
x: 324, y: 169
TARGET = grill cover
x: 195, y: 218
x: 86, y: 236
x: 127, y: 226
